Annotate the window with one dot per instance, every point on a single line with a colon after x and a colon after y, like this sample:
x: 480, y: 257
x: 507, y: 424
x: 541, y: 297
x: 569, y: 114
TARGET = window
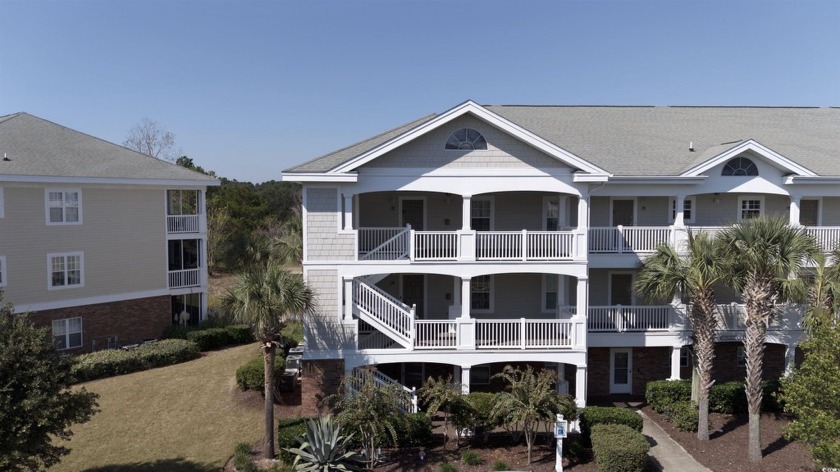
x: 741, y: 357
x: 65, y: 270
x: 480, y: 375
x: 67, y: 333
x: 466, y: 139
x: 550, y: 282
x: 184, y: 254
x: 740, y: 166
x: 688, y: 210
x: 182, y: 202
x: 186, y: 309
x: 551, y: 213
x: 749, y: 207
x: 64, y: 207
x: 481, y: 214
x: 3, y: 271
x: 481, y: 293
x: 685, y: 356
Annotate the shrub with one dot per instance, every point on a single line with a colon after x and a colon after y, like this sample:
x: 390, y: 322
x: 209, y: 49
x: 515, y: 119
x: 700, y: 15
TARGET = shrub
x: 772, y: 399
x: 728, y: 398
x: 415, y: 431
x: 240, y: 334
x: 324, y: 448
x: 594, y: 415
x: 484, y: 421
x: 447, y: 467
x: 177, y: 332
x: 685, y: 416
x: 501, y: 465
x: 251, y: 376
x: 108, y: 363
x: 289, y: 432
x: 661, y: 395
x: 471, y: 458
x: 619, y: 448
x: 210, y: 338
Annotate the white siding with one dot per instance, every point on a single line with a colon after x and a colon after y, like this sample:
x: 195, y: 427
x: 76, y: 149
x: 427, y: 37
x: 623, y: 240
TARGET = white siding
x: 323, y: 216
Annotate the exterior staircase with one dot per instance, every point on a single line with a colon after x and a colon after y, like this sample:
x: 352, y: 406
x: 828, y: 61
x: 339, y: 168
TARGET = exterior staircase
x: 384, y: 312
x: 361, y: 375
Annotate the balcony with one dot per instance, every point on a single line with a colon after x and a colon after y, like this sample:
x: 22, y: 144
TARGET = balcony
x: 184, y: 278
x: 179, y: 224
x: 518, y: 334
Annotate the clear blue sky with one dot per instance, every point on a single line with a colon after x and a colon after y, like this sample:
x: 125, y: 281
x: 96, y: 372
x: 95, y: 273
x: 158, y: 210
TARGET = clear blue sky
x: 251, y: 88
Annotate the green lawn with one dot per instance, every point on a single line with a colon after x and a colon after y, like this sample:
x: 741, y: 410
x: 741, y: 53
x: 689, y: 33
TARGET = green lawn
x: 181, y: 418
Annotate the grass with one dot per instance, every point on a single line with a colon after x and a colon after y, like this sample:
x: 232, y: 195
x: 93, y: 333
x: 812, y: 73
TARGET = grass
x: 185, y: 417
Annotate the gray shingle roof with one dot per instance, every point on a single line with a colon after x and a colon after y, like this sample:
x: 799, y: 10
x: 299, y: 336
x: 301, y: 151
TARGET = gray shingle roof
x: 640, y: 141
x: 37, y: 147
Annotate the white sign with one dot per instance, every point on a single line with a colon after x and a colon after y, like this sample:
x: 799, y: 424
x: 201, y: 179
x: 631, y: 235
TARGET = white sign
x: 561, y: 428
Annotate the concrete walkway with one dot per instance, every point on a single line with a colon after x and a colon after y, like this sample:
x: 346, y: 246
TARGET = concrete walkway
x: 666, y: 455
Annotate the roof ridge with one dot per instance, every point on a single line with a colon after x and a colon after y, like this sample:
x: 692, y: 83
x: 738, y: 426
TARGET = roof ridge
x: 669, y: 106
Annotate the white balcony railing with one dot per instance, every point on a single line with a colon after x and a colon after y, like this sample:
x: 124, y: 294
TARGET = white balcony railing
x: 827, y: 237
x: 383, y: 243
x: 524, y: 334
x: 434, y: 246
x: 617, y: 318
x: 184, y: 278
x: 182, y: 224
x: 731, y: 317
x: 628, y: 239
x: 435, y: 334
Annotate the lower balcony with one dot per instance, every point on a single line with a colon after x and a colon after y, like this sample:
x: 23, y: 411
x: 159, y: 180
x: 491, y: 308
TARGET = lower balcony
x: 184, y: 278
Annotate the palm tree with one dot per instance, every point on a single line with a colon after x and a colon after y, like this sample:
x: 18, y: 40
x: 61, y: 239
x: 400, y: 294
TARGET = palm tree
x: 665, y: 273
x: 767, y: 255
x: 266, y: 298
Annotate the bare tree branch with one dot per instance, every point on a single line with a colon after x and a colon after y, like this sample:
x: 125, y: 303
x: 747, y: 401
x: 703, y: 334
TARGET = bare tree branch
x: 150, y: 138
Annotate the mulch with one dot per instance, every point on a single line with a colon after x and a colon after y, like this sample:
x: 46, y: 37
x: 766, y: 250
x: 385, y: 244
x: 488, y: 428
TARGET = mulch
x: 726, y: 449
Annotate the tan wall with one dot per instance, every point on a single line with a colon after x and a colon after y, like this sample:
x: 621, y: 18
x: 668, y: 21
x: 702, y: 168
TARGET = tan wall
x: 503, y: 151
x: 122, y: 236
x: 323, y: 241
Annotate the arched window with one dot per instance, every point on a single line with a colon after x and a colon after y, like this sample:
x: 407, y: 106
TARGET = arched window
x: 466, y: 139
x: 740, y: 166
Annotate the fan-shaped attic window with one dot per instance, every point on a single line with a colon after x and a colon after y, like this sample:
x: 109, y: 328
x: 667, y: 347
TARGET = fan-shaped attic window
x: 740, y: 166
x: 466, y: 139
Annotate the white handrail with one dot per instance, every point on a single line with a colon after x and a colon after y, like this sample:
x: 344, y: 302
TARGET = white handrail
x: 181, y: 224
x: 435, y: 334
x: 383, y: 243
x: 628, y: 239
x: 827, y: 237
x: 409, y: 401
x: 184, y: 278
x: 435, y: 245
x: 618, y: 318
x: 383, y: 308
x: 524, y: 334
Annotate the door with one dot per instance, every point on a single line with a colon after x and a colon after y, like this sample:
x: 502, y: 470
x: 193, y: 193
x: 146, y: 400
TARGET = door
x: 623, y: 212
x: 414, y: 292
x: 621, y: 289
x: 412, y: 375
x: 413, y: 212
x: 621, y: 370
x: 809, y: 212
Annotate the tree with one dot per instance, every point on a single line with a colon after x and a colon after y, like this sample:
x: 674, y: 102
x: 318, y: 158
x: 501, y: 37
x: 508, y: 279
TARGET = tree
x: 443, y: 394
x: 36, y: 404
x: 665, y: 273
x: 767, y: 256
x: 530, y: 400
x: 150, y: 138
x: 812, y: 392
x: 266, y: 298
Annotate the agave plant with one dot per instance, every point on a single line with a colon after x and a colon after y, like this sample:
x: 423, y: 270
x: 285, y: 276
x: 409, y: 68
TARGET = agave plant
x: 324, y: 449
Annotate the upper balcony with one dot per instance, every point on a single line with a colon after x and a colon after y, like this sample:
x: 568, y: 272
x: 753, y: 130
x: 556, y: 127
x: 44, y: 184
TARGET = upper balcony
x: 183, y: 211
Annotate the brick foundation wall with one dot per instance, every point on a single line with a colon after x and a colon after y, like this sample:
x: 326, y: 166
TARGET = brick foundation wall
x: 649, y: 364
x: 598, y: 374
x: 131, y: 321
x: 320, y: 379
x: 726, y: 367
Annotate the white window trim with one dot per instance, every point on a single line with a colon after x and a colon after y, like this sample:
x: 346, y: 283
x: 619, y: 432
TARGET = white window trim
x: 2, y: 204
x: 672, y: 208
x: 4, y: 272
x: 47, y: 206
x: 492, y: 201
x: 544, y: 292
x: 67, y: 332
x: 65, y: 255
x: 610, y: 288
x: 743, y: 198
x: 492, y: 292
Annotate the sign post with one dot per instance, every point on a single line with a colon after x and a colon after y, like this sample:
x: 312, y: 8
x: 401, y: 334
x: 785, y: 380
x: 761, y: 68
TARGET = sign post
x: 561, y: 428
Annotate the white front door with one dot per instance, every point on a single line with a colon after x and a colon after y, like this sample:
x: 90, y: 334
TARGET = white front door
x: 621, y: 370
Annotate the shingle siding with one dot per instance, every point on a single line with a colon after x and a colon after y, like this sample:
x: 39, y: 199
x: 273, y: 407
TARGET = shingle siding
x: 323, y: 241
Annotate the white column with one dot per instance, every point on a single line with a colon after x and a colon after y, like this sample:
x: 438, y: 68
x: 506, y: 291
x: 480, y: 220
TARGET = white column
x: 795, y: 201
x: 562, y: 296
x: 348, y: 212
x: 790, y: 358
x: 466, y: 213
x: 675, y: 363
x: 348, y: 299
x: 562, y: 384
x: 679, y: 218
x: 465, y: 297
x: 583, y: 213
x: 455, y: 307
x: 465, y: 380
x: 580, y: 386
x: 582, y: 295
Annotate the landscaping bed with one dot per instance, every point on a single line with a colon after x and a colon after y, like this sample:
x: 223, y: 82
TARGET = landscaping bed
x: 726, y: 449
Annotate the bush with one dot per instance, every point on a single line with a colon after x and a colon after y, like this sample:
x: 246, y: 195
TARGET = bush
x: 483, y: 420
x: 414, y: 431
x: 728, y: 398
x: 662, y: 395
x: 447, y: 467
x: 251, y: 376
x: 594, y: 415
x: 619, y: 448
x: 772, y: 399
x: 108, y: 363
x: 471, y: 458
x: 685, y: 416
x: 210, y: 338
x: 240, y: 334
x: 289, y: 432
x: 501, y: 465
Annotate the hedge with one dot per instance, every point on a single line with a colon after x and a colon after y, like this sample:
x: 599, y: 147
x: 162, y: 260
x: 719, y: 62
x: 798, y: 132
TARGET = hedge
x: 619, y: 448
x: 215, y: 338
x: 289, y: 432
x: 414, y: 431
x: 662, y: 395
x: 251, y: 376
x: 111, y: 362
x: 684, y: 415
x: 594, y: 415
